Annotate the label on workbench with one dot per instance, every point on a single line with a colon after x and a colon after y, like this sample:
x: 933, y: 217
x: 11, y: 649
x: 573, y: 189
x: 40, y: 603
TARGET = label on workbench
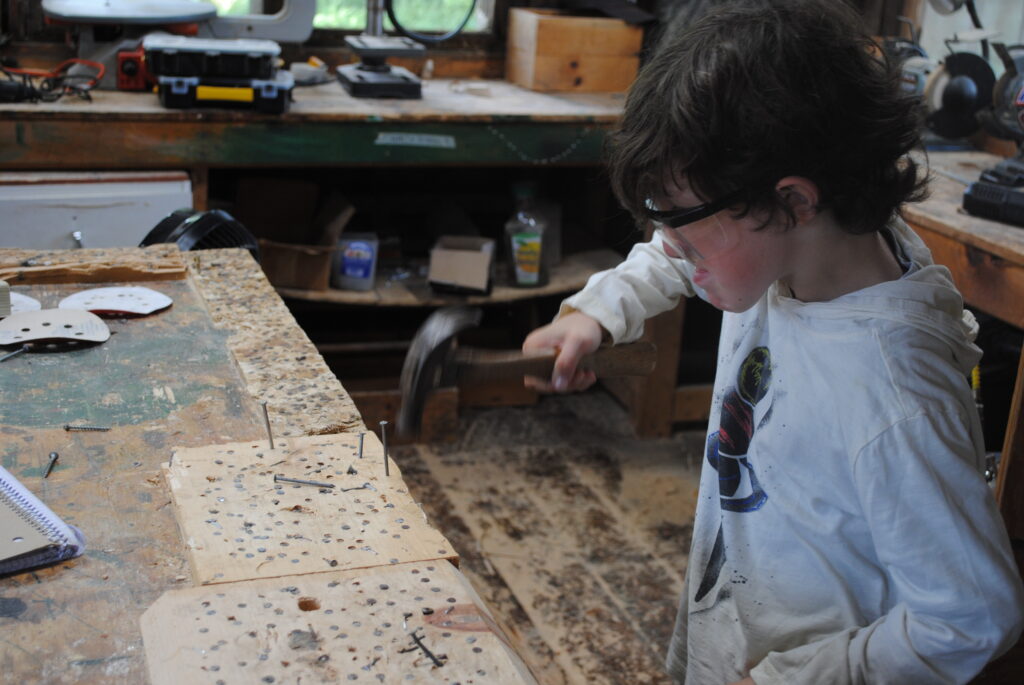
x: 416, y: 140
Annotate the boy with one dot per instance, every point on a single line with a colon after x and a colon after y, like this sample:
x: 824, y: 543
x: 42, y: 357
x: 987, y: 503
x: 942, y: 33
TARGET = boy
x: 844, y: 532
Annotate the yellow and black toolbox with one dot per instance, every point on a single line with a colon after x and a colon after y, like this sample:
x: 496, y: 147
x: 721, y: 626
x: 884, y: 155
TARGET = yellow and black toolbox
x: 218, y: 72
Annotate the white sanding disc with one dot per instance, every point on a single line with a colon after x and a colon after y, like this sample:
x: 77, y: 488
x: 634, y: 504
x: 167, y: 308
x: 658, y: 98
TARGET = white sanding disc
x: 52, y: 324
x: 117, y: 300
x: 24, y: 303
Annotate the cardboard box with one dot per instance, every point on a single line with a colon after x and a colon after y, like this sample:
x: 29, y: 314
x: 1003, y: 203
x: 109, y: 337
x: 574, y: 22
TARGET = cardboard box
x: 549, y: 50
x: 307, y: 267
x: 461, y: 264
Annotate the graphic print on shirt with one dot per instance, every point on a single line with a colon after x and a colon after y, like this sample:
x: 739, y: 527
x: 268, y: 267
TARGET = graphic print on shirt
x: 738, y: 488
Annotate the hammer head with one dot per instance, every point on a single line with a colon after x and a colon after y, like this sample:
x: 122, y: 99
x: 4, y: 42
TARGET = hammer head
x: 425, y: 363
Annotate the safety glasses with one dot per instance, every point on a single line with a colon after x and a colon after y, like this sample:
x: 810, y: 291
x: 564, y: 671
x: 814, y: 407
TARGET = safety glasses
x: 696, y: 232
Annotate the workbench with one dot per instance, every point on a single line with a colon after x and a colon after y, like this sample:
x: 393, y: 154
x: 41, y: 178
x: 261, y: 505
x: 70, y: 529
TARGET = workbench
x: 180, y: 393
x: 986, y: 259
x: 457, y: 122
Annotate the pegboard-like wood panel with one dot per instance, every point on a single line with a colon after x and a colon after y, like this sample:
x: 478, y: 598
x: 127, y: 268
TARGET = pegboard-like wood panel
x: 409, y: 623
x: 239, y: 524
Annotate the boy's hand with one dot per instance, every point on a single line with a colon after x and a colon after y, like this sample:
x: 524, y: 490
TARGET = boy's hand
x: 572, y: 336
x: 746, y: 681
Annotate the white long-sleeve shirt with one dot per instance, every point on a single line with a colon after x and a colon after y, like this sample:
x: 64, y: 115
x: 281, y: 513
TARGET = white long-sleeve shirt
x: 844, y: 531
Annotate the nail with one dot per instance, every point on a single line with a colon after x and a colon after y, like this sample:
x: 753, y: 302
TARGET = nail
x: 361, y: 436
x: 384, y: 442
x: 23, y: 348
x: 49, y: 467
x: 266, y: 420
x: 282, y: 479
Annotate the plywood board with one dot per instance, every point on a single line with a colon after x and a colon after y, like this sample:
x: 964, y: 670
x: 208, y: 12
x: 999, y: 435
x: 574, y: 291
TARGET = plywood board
x: 238, y: 524
x: 330, y: 627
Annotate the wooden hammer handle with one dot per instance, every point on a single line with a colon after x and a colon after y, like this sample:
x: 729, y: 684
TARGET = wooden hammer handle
x: 479, y: 366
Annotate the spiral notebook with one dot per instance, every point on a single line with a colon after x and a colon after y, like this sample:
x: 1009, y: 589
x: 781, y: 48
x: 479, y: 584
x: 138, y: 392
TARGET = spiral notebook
x: 30, y: 534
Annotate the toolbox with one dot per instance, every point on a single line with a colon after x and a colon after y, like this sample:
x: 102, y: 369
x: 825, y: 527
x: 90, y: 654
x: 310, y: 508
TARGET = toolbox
x: 264, y: 95
x: 239, y: 58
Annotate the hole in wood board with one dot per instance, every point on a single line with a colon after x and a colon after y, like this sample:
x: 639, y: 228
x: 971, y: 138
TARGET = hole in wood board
x: 309, y: 603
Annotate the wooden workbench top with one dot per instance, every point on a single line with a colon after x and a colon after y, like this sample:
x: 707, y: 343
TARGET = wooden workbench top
x: 943, y: 211
x: 443, y: 101
x: 189, y: 376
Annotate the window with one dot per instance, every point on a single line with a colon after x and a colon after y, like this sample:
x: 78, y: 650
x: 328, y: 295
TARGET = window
x: 428, y: 16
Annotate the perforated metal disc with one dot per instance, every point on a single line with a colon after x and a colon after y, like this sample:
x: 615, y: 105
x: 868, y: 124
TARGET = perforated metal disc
x: 117, y: 300
x: 24, y: 303
x: 52, y: 324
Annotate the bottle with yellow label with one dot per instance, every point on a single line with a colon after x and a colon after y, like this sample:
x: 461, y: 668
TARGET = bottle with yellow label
x: 525, y: 233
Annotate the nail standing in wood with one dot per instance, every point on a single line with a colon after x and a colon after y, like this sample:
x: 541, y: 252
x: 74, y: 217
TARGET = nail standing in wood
x: 266, y: 420
x: 361, y: 436
x: 384, y: 442
x: 49, y: 467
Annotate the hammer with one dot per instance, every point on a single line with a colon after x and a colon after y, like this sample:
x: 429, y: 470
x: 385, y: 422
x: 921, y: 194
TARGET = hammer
x: 434, y: 361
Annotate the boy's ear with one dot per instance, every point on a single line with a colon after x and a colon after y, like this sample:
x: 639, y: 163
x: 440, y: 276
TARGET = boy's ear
x: 801, y: 194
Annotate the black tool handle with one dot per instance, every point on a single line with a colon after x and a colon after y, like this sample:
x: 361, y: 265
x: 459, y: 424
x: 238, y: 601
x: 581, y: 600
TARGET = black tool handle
x: 480, y: 366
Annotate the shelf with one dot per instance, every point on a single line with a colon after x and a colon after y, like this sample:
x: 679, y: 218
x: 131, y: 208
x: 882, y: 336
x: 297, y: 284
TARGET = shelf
x: 569, y: 276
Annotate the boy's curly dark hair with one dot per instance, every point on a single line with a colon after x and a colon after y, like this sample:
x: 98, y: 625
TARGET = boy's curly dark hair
x: 758, y: 90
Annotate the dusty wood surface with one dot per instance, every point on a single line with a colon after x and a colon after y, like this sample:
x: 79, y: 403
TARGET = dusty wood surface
x: 574, y: 531
x: 160, y: 380
x: 569, y: 276
x: 190, y: 375
x: 331, y: 627
x: 239, y: 524
x: 443, y: 100
x: 278, y: 361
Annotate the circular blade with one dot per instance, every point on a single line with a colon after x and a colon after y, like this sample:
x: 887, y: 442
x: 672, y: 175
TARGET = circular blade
x: 52, y: 324
x: 117, y: 300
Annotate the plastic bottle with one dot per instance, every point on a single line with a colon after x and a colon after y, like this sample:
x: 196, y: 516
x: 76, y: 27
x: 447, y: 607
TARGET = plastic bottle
x: 525, y: 235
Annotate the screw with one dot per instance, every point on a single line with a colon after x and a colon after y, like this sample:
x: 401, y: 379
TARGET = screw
x: 282, y: 479
x: 69, y: 427
x: 49, y: 467
x: 266, y: 420
x: 384, y: 442
x: 23, y: 348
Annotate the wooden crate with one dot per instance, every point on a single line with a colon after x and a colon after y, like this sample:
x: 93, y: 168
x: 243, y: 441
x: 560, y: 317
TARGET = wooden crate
x: 552, y: 51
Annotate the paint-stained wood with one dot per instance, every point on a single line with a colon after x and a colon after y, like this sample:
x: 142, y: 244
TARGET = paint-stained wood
x: 160, y: 380
x: 190, y: 375
x: 409, y: 623
x: 238, y: 523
